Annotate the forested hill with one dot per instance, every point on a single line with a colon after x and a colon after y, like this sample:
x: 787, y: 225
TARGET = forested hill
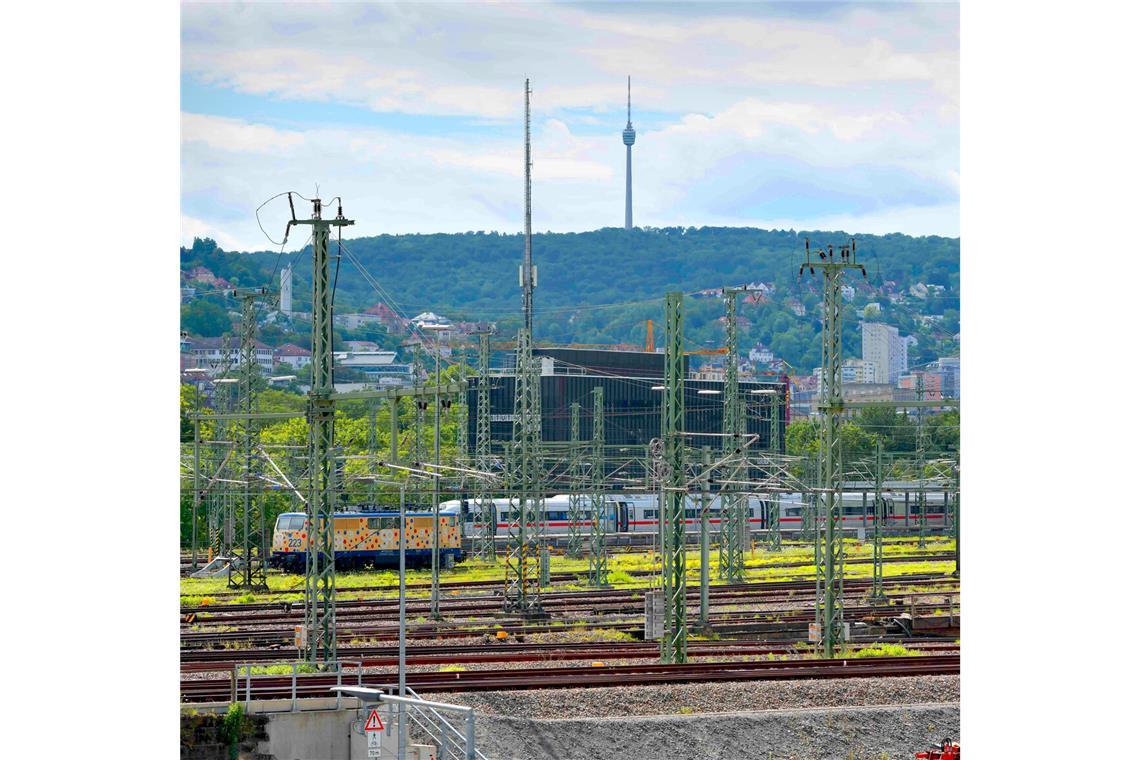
x: 601, y: 286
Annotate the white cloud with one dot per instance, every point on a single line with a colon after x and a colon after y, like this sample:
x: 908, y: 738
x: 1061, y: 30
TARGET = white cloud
x: 854, y: 110
x: 468, y: 60
x: 236, y: 135
x: 196, y: 228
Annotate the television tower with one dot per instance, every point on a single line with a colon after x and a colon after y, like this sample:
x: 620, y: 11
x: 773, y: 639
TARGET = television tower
x: 627, y: 137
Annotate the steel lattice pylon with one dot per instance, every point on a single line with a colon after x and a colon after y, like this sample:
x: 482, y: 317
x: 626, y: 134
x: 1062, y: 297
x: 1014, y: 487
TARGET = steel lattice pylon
x: 920, y: 453
x: 573, y: 532
x: 373, y: 455
x: 957, y: 501
x: 249, y: 549
x: 880, y: 512
x: 599, y: 568
x: 774, y: 537
x: 215, y: 510
x: 320, y: 558
x: 521, y: 587
x: 521, y: 592
x: 733, y: 528
x: 829, y: 566
x: 485, y: 536
x: 461, y: 409
x: 675, y: 637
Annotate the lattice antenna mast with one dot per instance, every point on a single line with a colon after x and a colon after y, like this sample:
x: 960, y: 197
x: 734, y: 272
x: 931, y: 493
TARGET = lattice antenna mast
x: 830, y: 565
x: 320, y: 558
x: 250, y: 546
x: 521, y: 587
x: 527, y: 275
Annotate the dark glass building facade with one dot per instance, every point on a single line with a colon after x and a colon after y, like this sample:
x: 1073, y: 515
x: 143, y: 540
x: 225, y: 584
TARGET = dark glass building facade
x: 632, y: 405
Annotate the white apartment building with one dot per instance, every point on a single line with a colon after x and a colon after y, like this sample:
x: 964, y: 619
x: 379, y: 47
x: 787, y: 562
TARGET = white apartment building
x: 217, y: 355
x: 886, y: 350
x: 853, y: 372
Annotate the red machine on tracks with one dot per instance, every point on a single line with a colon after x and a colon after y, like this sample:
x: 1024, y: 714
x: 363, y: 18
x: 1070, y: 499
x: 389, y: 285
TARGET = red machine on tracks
x: 948, y: 750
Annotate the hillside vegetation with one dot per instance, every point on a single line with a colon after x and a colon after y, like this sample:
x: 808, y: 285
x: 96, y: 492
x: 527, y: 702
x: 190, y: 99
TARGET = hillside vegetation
x: 601, y: 286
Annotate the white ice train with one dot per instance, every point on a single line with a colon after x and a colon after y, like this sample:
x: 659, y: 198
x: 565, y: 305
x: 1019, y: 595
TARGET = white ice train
x: 638, y: 513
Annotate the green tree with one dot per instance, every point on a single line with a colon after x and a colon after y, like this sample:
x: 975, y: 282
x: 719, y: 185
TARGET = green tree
x: 202, y: 317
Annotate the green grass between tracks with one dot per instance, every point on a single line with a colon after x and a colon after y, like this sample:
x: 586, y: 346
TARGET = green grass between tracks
x: 760, y: 565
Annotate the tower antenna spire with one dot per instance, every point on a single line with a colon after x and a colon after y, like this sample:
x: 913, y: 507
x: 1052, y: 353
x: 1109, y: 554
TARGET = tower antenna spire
x: 628, y: 136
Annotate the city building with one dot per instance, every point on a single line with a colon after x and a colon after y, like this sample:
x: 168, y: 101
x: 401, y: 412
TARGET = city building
x: 886, y: 350
x: 389, y: 318
x: 216, y: 355
x: 631, y: 383
x: 853, y: 371
x: 931, y: 385
x: 950, y: 368
x: 293, y: 356
x: 431, y: 321
x: 355, y: 321
x: 380, y: 367
x: 761, y: 354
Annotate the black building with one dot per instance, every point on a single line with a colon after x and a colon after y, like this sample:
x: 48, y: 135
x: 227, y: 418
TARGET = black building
x: 631, y: 385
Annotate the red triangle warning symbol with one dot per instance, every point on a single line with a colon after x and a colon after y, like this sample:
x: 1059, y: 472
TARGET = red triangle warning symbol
x: 373, y: 723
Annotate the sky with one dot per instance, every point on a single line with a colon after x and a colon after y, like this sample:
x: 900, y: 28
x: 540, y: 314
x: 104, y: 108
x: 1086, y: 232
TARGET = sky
x: 833, y: 116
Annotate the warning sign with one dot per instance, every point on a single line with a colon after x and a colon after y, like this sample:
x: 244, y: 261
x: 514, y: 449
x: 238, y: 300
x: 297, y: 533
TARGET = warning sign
x: 373, y: 723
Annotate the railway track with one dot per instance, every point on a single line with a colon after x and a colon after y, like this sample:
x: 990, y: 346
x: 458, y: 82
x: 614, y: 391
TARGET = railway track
x: 613, y: 609
x: 555, y: 578
x: 312, y: 685
x: 497, y: 653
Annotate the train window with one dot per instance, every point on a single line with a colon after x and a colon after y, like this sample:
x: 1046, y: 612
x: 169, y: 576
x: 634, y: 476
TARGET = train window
x: 295, y: 523
x: 451, y: 520
x: 389, y: 523
x: 374, y: 523
x: 651, y: 514
x: 795, y: 511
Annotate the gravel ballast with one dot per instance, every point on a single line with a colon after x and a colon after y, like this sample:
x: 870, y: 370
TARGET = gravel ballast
x: 853, y: 718
x: 842, y: 733
x: 738, y: 696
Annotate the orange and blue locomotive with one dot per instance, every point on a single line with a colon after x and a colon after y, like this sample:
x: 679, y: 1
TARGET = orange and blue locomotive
x: 370, y: 538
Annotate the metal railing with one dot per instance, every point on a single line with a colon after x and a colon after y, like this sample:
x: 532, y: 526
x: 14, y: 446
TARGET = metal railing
x: 450, y: 741
x: 250, y: 690
x: 425, y: 718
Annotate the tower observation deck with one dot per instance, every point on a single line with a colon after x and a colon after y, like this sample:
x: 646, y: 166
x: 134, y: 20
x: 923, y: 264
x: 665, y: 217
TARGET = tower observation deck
x: 628, y: 135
